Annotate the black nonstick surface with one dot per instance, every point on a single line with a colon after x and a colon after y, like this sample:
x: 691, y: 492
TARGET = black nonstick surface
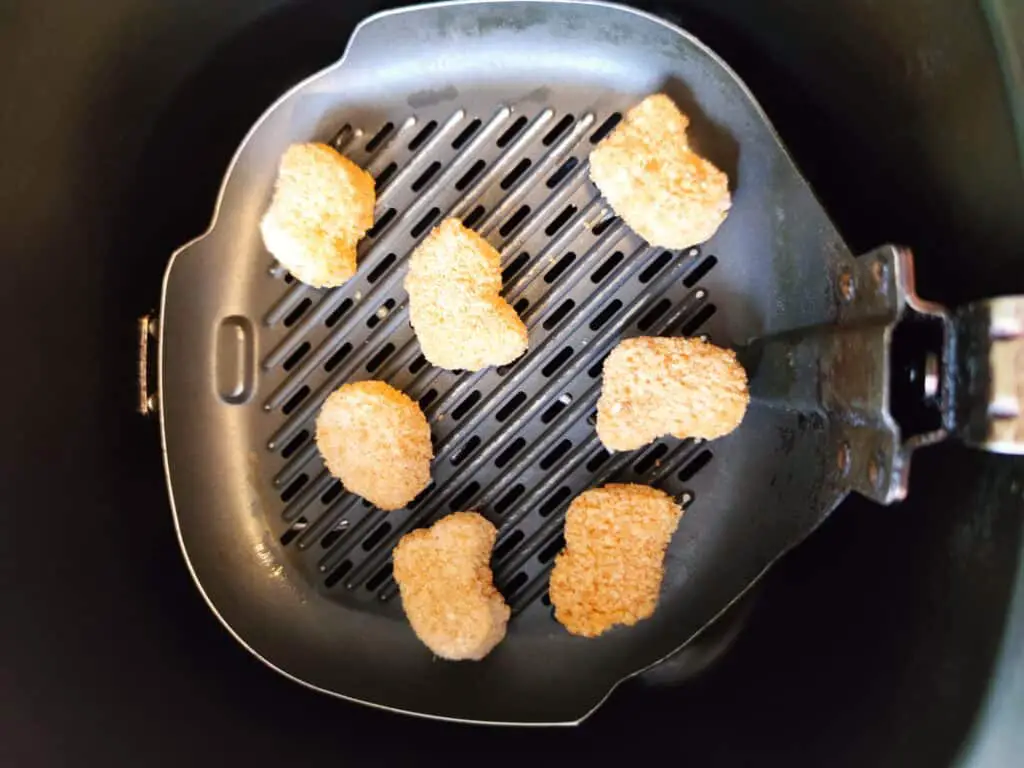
x: 872, y: 644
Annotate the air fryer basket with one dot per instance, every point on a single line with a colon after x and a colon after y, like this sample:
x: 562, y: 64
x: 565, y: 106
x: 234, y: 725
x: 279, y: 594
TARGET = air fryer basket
x: 488, y: 111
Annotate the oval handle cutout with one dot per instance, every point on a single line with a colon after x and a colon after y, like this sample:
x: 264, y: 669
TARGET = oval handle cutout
x: 235, y: 354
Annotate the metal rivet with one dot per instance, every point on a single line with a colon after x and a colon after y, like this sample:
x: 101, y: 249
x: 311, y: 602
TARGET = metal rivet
x: 847, y: 287
x: 875, y: 470
x: 880, y: 272
x: 843, y: 459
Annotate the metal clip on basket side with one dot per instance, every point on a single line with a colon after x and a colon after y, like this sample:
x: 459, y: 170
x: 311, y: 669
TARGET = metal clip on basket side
x: 148, y: 399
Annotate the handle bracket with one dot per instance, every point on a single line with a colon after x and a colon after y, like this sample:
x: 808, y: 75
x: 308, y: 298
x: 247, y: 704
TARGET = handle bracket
x: 894, y: 373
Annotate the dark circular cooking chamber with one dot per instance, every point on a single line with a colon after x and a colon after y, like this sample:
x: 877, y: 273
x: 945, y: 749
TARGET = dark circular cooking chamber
x: 888, y: 638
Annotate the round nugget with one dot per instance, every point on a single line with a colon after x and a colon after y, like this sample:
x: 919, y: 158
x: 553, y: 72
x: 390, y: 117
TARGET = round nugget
x: 655, y: 386
x: 663, y: 190
x: 376, y: 440
x: 611, y: 569
x: 322, y: 206
x: 444, y: 576
x: 455, y: 302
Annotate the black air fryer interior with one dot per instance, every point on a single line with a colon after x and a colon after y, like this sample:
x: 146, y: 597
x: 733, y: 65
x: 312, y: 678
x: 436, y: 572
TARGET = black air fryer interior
x: 875, y: 643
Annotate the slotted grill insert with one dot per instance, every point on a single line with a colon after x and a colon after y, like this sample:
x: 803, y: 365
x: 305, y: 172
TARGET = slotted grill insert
x: 517, y: 442
x: 488, y: 111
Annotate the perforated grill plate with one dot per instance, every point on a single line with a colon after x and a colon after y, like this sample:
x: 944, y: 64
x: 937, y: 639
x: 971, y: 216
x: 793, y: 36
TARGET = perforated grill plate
x: 485, y: 112
x: 518, y: 442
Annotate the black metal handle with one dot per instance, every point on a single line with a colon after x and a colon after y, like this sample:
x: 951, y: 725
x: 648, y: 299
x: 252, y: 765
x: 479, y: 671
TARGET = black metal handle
x: 900, y: 373
x: 893, y: 373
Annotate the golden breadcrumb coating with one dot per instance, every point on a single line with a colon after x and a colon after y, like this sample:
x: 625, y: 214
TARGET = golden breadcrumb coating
x: 455, y: 302
x: 376, y: 440
x: 655, y: 386
x: 448, y: 594
x: 611, y: 569
x: 665, y: 192
x: 322, y: 206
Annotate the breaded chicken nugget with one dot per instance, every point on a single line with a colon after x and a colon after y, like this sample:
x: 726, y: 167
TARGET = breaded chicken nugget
x: 611, y: 569
x: 455, y: 303
x: 376, y: 440
x: 448, y: 594
x: 322, y: 206
x: 665, y: 192
x: 655, y: 386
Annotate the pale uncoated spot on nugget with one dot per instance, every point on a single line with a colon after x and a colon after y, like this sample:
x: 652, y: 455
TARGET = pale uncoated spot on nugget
x: 322, y: 206
x: 455, y: 302
x: 444, y: 577
x: 611, y: 569
x: 376, y: 440
x: 662, y: 189
x: 653, y: 386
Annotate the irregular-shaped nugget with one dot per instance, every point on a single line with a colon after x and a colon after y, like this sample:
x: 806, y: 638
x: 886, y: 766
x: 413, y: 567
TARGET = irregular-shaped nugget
x: 448, y: 594
x: 663, y: 190
x: 322, y: 206
x: 611, y: 569
x: 656, y: 386
x: 376, y: 440
x: 455, y: 303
